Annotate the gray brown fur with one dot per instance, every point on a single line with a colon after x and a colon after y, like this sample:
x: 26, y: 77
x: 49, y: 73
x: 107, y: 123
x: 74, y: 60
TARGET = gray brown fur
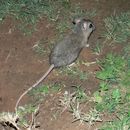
x: 67, y: 51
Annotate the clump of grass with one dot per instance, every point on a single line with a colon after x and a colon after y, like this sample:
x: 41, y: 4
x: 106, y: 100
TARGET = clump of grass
x: 108, y: 100
x: 71, y: 102
x: 28, y: 12
x: 112, y: 67
x: 56, y: 87
x: 66, y: 100
x: 125, y: 78
x: 23, y: 113
x: 98, y: 48
x: 126, y: 53
x: 18, y: 120
x: 114, y: 97
x: 43, y: 90
x: 80, y: 94
x: 91, y: 116
x: 46, y: 89
x: 118, y: 27
x: 122, y: 124
x: 40, y: 92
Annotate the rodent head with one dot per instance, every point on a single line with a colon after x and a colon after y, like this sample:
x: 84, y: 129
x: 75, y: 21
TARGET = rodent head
x: 85, y: 26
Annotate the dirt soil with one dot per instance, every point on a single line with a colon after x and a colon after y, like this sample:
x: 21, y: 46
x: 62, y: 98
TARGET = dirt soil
x: 20, y: 66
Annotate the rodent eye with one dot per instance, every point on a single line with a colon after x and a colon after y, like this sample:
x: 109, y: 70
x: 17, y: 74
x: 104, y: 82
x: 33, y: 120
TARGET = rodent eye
x: 90, y: 25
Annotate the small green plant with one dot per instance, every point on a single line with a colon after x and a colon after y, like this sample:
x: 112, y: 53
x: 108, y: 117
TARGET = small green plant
x: 98, y: 48
x: 117, y: 27
x: 46, y: 89
x: 112, y: 67
x: 23, y: 112
x: 123, y: 123
x: 74, y: 72
x: 104, y: 86
x: 110, y: 100
x: 56, y: 87
x: 39, y: 93
x: 80, y: 94
x: 43, y: 90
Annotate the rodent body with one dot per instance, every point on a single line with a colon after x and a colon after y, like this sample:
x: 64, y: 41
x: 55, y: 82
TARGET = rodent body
x: 67, y: 51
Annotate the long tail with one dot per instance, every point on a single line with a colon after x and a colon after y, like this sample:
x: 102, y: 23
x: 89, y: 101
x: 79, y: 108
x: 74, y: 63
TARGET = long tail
x: 33, y: 86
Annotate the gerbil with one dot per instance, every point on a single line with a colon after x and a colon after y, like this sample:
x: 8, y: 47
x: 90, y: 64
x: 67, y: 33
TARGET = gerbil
x: 67, y: 51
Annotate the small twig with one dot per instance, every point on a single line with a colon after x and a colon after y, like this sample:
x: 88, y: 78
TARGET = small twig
x: 9, y: 54
x: 33, y: 124
x: 89, y: 63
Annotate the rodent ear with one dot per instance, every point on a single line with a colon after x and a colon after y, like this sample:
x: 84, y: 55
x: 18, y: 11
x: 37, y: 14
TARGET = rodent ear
x: 76, y: 20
